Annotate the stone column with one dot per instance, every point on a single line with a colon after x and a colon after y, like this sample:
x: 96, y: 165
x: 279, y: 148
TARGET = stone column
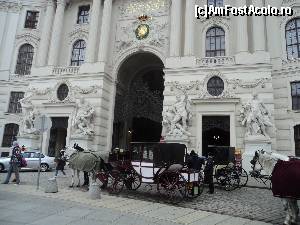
x: 241, y: 31
x: 175, y: 40
x: 56, y: 33
x: 46, y: 33
x: 94, y: 23
x: 189, y: 28
x: 105, y: 31
x: 258, y: 28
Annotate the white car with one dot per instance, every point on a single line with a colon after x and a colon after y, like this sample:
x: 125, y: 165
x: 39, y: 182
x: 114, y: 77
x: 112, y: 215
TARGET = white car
x: 32, y: 159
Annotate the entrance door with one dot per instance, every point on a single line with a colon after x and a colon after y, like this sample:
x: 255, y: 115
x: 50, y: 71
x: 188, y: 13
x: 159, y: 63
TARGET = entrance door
x: 58, y: 134
x: 215, y: 132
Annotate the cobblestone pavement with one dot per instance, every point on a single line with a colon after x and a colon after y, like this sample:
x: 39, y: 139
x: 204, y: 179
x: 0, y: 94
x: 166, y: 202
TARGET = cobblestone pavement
x: 250, y: 203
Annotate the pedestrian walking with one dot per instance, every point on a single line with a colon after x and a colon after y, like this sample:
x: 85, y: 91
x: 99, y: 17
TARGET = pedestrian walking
x: 15, y: 161
x: 60, y: 163
x: 208, y: 173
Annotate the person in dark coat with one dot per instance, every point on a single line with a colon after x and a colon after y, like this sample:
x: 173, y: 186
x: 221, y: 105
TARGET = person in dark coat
x: 14, y: 163
x: 194, y: 161
x: 60, y: 163
x: 208, y: 173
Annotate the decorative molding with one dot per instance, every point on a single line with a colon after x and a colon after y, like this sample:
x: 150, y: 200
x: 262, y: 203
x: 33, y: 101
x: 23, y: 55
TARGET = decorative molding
x: 239, y: 83
x: 14, y: 7
x: 87, y: 90
x: 216, y: 20
x: 79, y: 32
x: 28, y: 37
x: 62, y: 70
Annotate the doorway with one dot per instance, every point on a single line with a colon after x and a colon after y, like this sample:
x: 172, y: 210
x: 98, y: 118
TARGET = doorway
x: 215, y: 132
x: 58, y: 134
x: 139, y: 100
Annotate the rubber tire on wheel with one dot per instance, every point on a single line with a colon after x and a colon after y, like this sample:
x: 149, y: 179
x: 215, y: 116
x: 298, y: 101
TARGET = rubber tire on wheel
x: 133, y: 181
x: 243, y: 178
x: 44, y: 167
x: 115, y: 182
x: 1, y: 167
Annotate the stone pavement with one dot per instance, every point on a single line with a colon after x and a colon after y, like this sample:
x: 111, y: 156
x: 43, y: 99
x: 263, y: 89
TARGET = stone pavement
x: 249, y: 203
x: 24, y: 205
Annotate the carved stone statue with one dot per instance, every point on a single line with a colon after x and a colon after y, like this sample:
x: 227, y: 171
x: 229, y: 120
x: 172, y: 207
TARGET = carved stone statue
x: 176, y: 117
x: 29, y: 116
x: 82, y: 119
x: 255, y: 117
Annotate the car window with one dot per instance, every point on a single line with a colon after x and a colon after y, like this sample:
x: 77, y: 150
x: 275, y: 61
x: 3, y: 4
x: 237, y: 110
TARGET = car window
x: 26, y: 154
x: 37, y: 155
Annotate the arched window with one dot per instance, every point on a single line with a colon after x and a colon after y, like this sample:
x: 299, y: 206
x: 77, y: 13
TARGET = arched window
x: 215, y: 42
x: 215, y: 3
x: 297, y: 140
x: 292, y: 37
x: 11, y: 131
x: 24, y: 61
x: 215, y: 86
x: 78, y: 53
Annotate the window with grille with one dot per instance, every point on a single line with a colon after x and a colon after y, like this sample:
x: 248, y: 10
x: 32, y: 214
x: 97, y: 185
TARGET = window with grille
x: 215, y: 86
x: 11, y: 131
x: 215, y: 42
x: 295, y: 88
x: 292, y: 37
x: 14, y: 104
x: 83, y: 14
x: 297, y: 140
x: 31, y: 20
x: 215, y: 3
x: 78, y: 53
x: 24, y: 61
x: 62, y: 92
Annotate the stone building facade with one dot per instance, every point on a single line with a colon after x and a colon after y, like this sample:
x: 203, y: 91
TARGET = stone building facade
x: 107, y: 72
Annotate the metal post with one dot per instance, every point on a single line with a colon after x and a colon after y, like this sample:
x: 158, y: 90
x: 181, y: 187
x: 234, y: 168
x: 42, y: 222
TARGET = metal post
x: 42, y: 133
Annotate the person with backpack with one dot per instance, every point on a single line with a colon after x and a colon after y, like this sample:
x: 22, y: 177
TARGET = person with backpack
x: 60, y: 163
x: 15, y: 162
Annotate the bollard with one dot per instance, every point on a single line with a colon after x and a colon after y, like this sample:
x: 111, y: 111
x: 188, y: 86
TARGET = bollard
x: 94, y: 191
x: 51, y: 186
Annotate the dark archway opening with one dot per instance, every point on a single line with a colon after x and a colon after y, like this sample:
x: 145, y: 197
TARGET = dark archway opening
x: 58, y: 134
x: 215, y: 133
x: 139, y: 100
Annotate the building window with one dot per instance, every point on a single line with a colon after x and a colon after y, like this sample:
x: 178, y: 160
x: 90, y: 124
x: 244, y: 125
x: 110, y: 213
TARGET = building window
x: 24, y: 61
x: 11, y: 131
x: 215, y: 42
x: 215, y: 3
x: 83, y: 14
x: 31, y: 20
x: 14, y: 104
x: 62, y: 92
x: 297, y: 140
x: 295, y: 87
x: 78, y: 53
x: 215, y: 86
x: 292, y: 36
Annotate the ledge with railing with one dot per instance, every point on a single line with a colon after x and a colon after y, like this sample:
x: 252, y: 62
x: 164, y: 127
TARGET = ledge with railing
x: 61, y: 70
x: 215, y: 61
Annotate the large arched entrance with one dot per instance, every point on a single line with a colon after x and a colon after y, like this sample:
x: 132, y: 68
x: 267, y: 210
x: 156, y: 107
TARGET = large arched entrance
x: 139, y: 100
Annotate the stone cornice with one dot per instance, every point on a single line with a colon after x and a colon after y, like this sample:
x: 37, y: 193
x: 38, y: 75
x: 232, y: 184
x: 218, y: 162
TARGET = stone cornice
x: 10, y: 6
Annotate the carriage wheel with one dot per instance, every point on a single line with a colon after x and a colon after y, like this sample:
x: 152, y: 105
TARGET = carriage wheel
x: 115, y: 182
x: 102, y: 179
x: 172, y: 185
x: 232, y: 180
x: 133, y: 180
x: 243, y: 175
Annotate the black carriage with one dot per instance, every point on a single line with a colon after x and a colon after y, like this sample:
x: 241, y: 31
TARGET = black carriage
x: 228, y: 169
x: 164, y: 165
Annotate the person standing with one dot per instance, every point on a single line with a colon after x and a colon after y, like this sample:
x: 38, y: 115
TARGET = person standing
x: 60, y: 163
x: 208, y: 173
x: 14, y: 163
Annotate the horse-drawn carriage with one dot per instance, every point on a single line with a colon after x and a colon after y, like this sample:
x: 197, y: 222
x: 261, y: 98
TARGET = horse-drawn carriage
x: 160, y: 164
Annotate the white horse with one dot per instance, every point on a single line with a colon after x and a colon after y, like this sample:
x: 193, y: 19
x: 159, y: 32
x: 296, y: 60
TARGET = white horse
x: 82, y: 160
x: 268, y: 161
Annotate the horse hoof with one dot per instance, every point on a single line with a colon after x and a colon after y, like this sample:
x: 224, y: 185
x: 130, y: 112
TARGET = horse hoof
x: 71, y: 186
x: 78, y: 185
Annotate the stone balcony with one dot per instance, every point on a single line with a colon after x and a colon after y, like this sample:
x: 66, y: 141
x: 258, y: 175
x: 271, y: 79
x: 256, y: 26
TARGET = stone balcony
x: 215, y: 61
x: 63, y: 70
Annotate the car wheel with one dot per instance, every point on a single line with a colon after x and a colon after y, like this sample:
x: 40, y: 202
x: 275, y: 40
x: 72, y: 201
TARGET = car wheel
x: 44, y: 167
x: 1, y: 167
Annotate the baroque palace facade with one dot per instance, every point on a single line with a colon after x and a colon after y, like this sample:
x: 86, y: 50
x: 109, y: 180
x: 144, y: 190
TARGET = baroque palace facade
x: 109, y: 72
